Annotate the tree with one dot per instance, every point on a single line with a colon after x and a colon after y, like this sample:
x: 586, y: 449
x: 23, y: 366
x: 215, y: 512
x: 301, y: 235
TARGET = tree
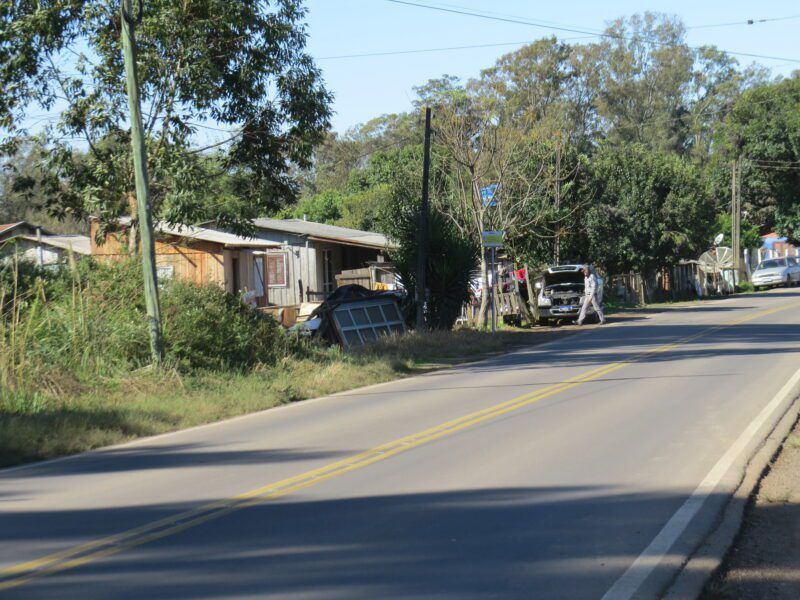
x: 321, y: 208
x: 650, y: 210
x: 20, y: 194
x: 475, y: 149
x: 645, y: 74
x: 764, y: 131
x: 232, y: 64
x: 451, y: 257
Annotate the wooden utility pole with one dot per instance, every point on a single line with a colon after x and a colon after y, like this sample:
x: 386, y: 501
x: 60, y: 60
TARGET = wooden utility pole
x: 557, y: 253
x: 422, y: 234
x: 129, y: 22
x: 736, y: 210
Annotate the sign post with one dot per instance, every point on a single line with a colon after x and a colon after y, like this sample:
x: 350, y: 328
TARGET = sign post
x: 492, y: 240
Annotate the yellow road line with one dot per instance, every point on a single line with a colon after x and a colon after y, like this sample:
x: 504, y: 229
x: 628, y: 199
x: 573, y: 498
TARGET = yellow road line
x: 91, y: 551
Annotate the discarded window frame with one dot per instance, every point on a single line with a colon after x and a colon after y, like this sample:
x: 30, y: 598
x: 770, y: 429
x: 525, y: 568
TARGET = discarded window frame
x: 363, y: 322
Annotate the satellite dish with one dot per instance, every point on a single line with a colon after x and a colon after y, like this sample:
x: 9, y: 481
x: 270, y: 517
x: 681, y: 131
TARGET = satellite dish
x: 719, y: 238
x: 714, y: 261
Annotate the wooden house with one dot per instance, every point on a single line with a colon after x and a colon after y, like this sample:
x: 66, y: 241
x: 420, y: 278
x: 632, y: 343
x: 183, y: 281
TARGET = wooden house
x: 198, y: 254
x: 311, y: 256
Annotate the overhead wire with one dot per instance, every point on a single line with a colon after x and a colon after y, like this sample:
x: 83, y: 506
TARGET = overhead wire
x: 747, y: 22
x: 530, y: 23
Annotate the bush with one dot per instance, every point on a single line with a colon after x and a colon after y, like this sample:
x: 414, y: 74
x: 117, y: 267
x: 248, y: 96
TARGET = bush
x: 452, y: 259
x: 744, y: 287
x: 62, y: 330
x: 207, y: 328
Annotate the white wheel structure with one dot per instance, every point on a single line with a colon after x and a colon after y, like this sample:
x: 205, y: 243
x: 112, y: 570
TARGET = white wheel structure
x: 713, y: 263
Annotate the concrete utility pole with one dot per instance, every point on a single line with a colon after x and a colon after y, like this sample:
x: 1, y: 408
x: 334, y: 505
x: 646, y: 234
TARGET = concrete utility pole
x: 129, y: 23
x: 422, y: 234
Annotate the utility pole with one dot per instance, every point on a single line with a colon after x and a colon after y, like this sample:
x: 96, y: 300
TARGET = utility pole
x: 736, y: 210
x: 145, y: 218
x: 422, y: 234
x: 557, y: 252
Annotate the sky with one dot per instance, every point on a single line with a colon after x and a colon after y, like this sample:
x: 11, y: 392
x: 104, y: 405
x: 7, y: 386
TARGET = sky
x: 366, y: 87
x: 370, y: 86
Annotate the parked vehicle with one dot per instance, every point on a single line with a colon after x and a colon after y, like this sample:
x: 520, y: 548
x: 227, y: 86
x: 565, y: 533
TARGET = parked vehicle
x: 776, y: 272
x: 561, y: 292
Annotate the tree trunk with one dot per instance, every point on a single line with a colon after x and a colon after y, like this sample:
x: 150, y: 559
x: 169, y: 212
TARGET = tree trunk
x: 642, y: 294
x: 533, y: 295
x: 523, y: 307
x: 483, y: 314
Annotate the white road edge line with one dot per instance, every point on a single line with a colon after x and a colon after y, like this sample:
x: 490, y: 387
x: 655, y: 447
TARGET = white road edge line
x: 628, y: 584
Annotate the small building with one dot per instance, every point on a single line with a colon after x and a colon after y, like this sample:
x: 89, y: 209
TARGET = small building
x: 39, y: 245
x: 311, y: 256
x: 774, y: 246
x: 236, y: 263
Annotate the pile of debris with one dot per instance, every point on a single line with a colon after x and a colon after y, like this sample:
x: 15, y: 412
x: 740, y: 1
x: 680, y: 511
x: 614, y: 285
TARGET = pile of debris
x: 354, y: 316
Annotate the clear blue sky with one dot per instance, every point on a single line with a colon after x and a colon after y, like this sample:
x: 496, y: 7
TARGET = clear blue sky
x: 367, y: 87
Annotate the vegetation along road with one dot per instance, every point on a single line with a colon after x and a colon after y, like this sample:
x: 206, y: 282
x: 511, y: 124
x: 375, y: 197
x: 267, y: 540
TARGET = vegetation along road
x: 590, y: 465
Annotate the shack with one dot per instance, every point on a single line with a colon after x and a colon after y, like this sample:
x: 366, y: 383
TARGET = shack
x: 38, y: 245
x: 311, y: 255
x: 197, y: 254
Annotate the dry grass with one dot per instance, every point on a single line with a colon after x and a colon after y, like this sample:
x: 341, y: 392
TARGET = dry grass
x: 146, y: 403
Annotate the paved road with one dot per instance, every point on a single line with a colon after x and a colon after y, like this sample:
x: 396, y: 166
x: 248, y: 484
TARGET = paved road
x: 544, y: 473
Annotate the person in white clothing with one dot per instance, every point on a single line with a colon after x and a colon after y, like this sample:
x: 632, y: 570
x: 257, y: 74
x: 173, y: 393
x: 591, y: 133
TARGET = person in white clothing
x: 590, y: 296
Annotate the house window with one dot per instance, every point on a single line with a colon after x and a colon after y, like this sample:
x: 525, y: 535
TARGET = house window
x: 327, y: 271
x: 276, y: 270
x: 164, y: 272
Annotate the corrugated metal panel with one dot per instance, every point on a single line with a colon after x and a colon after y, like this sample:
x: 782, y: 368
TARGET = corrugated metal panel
x: 325, y: 232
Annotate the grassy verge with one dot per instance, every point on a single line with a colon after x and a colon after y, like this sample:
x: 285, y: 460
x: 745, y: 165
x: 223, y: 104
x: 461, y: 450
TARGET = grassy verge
x: 142, y: 403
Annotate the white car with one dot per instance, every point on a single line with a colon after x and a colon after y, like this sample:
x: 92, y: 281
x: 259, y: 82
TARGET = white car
x: 775, y: 272
x: 560, y: 294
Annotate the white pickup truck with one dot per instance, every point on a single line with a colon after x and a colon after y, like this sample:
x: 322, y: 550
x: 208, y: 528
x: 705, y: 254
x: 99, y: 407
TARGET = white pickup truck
x: 560, y: 293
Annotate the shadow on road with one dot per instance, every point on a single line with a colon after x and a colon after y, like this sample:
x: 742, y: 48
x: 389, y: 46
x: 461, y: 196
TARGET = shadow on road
x: 562, y: 542
x: 171, y: 456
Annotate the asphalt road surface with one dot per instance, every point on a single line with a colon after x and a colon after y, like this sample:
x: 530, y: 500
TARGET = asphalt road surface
x: 586, y: 467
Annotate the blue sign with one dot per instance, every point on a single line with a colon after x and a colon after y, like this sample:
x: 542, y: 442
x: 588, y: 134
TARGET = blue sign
x: 487, y: 195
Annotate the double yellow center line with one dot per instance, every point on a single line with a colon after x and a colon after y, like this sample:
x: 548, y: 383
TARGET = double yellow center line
x: 89, y: 552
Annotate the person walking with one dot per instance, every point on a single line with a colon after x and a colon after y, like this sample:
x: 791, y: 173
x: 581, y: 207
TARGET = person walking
x: 590, y: 296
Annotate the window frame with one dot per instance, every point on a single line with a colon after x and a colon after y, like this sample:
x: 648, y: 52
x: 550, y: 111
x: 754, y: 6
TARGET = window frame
x: 278, y: 255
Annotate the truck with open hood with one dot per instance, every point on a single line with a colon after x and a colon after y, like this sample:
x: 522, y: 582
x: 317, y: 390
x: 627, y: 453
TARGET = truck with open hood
x: 560, y: 294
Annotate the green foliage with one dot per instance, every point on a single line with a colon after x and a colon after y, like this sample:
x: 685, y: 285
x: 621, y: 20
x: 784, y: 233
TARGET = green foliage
x: 764, y: 130
x: 207, y: 328
x: 241, y: 65
x: 750, y: 237
x: 452, y: 258
x: 650, y: 210
x: 326, y: 207
x: 91, y: 322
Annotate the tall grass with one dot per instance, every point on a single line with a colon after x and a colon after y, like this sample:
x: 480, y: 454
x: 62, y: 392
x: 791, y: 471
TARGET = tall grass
x: 65, y: 331
x: 21, y: 378
x: 72, y: 343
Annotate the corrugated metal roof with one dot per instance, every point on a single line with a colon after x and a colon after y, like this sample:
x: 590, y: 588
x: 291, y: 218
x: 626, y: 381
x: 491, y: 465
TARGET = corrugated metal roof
x: 10, y: 226
x: 79, y: 243
x: 230, y: 240
x: 323, y: 231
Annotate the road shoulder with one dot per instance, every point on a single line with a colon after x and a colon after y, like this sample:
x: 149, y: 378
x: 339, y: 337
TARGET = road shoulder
x: 764, y: 561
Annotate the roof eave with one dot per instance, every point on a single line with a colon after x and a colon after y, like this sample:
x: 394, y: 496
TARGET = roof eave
x: 349, y: 242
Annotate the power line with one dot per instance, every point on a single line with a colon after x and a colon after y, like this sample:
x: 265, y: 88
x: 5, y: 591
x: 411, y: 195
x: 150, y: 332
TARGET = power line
x: 747, y: 22
x: 519, y: 21
x: 422, y: 50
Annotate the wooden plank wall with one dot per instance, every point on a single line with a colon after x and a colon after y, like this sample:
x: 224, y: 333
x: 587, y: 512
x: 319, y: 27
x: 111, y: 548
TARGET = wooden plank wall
x: 198, y: 261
